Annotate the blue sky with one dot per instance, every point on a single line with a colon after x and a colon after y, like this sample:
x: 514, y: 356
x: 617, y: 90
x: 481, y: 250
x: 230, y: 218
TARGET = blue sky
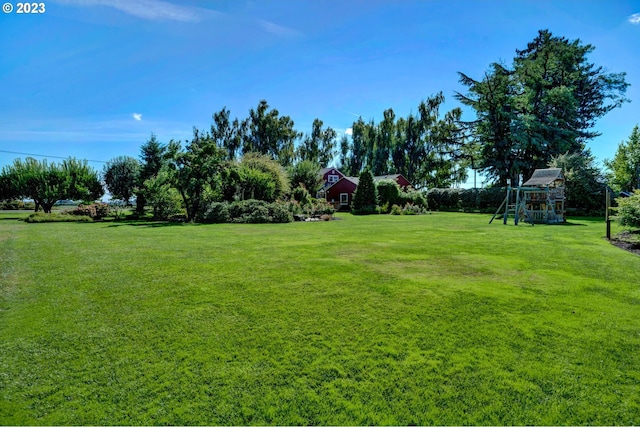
x: 94, y: 78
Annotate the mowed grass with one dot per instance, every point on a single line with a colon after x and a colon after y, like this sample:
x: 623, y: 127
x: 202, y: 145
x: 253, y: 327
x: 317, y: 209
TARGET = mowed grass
x: 434, y: 319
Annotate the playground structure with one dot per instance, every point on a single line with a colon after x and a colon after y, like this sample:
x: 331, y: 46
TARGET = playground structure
x: 539, y: 200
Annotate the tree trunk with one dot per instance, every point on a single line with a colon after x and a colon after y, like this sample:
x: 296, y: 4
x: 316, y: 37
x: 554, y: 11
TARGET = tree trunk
x: 46, y: 206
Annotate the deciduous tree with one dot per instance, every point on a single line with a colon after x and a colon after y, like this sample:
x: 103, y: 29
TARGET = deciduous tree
x: 120, y: 176
x: 270, y: 134
x: 195, y: 170
x: 319, y: 145
x: 624, y: 168
x: 46, y: 183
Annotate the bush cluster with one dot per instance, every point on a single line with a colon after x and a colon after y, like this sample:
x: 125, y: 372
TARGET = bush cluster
x: 629, y: 210
x: 408, y: 209
x: 390, y: 193
x: 12, y: 205
x: 312, y: 207
x: 94, y: 211
x: 247, y: 211
x: 39, y: 217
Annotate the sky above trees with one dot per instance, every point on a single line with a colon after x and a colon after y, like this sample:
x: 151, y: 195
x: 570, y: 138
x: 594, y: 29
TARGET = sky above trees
x: 94, y: 78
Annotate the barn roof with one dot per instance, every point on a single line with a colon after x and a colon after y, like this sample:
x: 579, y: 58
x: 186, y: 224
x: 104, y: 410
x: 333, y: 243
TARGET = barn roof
x: 325, y: 170
x: 354, y: 179
x: 542, y: 177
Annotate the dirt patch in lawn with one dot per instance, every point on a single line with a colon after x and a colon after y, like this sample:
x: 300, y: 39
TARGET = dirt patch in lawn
x: 627, y: 240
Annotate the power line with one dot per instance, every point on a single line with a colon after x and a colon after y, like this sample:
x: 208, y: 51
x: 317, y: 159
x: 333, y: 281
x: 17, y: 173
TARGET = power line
x: 45, y: 155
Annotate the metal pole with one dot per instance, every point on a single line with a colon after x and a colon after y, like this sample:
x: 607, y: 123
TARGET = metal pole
x: 608, y: 219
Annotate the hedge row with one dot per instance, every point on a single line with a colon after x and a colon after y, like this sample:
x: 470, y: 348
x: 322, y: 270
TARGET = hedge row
x: 484, y: 200
x: 247, y: 211
x: 12, y: 205
x: 40, y: 217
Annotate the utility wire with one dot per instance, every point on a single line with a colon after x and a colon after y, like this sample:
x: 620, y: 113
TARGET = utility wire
x: 45, y: 155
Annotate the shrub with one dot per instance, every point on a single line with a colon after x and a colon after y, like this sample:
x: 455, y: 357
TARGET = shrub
x: 94, y: 211
x: 216, y: 212
x: 468, y: 199
x: 259, y: 215
x: 413, y: 197
x: 10, y: 205
x: 272, y: 175
x: 365, y: 210
x: 490, y: 198
x: 248, y: 211
x: 388, y: 193
x: 322, y: 207
x: 39, y: 217
x: 396, y: 210
x: 411, y: 209
x: 301, y: 195
x: 280, y: 213
x: 629, y: 210
x: 163, y: 198
x: 444, y: 198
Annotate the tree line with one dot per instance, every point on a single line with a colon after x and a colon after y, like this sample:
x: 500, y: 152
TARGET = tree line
x: 538, y: 111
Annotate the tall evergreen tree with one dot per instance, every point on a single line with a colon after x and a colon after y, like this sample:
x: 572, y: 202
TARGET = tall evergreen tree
x: 544, y: 106
x: 365, y: 197
x: 153, y: 156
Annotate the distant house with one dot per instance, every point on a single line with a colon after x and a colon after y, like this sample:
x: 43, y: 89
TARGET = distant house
x: 340, y: 192
x: 329, y: 177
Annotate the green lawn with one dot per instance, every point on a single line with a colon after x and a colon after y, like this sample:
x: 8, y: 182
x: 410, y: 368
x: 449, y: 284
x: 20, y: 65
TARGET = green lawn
x: 434, y: 319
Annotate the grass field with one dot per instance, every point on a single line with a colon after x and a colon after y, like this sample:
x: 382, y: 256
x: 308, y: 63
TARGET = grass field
x: 434, y: 319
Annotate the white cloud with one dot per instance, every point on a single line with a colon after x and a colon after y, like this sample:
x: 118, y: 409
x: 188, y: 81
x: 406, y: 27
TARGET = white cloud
x: 137, y: 116
x: 276, y: 29
x: 635, y: 19
x: 349, y: 131
x: 154, y: 10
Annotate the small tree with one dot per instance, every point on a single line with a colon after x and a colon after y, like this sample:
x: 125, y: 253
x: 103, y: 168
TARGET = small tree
x: 195, y: 170
x: 270, y: 168
x: 163, y: 198
x: 46, y: 183
x: 584, y: 182
x: 306, y: 173
x: 120, y: 175
x: 365, y: 197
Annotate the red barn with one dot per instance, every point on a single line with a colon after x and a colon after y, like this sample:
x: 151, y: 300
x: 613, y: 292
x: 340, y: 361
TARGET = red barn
x: 329, y: 176
x: 340, y: 193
